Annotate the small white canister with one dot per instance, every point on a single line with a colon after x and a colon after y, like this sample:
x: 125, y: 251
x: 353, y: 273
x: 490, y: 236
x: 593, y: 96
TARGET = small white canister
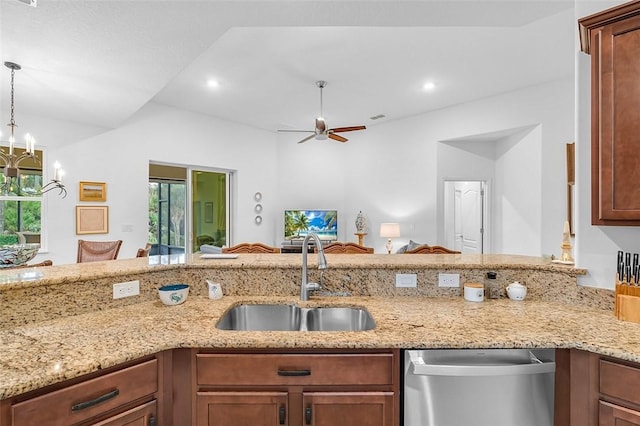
x: 473, y: 292
x: 215, y: 290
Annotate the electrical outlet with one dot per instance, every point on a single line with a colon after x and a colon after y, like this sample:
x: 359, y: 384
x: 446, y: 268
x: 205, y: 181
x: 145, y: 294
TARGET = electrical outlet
x: 448, y: 280
x: 406, y: 280
x: 126, y: 289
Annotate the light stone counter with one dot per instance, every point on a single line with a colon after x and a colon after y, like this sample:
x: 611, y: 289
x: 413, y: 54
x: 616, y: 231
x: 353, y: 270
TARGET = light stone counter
x: 35, y: 355
x: 61, y: 322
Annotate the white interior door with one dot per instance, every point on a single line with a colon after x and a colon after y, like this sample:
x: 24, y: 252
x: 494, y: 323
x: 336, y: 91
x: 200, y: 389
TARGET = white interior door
x: 465, y: 216
x: 457, y: 219
x: 471, y: 216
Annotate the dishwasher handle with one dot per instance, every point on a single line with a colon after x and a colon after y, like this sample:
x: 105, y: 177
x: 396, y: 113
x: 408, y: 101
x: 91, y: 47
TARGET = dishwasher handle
x: 423, y: 369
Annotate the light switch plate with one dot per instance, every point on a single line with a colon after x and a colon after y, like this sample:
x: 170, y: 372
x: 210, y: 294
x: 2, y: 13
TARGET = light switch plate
x: 448, y: 280
x: 406, y: 280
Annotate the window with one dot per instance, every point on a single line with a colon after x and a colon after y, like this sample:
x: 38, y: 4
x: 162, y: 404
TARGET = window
x: 167, y: 207
x: 21, y: 210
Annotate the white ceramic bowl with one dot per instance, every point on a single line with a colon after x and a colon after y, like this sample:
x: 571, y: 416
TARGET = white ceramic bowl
x: 173, y: 294
x: 17, y: 254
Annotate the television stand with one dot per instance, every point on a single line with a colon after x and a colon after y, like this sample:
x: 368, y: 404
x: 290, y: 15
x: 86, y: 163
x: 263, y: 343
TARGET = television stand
x: 296, y: 246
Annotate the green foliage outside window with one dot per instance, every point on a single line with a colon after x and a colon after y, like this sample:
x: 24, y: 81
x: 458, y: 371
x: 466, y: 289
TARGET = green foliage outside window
x: 18, y: 216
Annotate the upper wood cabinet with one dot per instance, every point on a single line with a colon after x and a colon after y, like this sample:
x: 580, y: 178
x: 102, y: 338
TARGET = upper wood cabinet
x: 612, y: 38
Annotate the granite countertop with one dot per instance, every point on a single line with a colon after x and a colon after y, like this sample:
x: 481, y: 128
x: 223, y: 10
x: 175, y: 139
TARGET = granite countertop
x: 43, y: 276
x: 39, y: 354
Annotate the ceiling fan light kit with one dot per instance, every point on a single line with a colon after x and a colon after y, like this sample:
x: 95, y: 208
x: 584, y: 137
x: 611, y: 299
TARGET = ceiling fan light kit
x: 320, y: 131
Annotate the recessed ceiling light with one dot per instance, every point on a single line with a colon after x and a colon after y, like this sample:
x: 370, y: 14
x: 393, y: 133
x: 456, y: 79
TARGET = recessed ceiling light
x: 430, y: 85
x: 213, y: 83
x: 377, y: 117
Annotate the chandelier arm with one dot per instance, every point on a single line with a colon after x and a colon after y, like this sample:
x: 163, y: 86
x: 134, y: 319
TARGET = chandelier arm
x: 54, y: 184
x: 4, y: 157
x: 25, y: 155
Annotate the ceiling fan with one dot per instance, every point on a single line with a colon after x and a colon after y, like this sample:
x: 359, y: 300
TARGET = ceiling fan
x: 321, y: 131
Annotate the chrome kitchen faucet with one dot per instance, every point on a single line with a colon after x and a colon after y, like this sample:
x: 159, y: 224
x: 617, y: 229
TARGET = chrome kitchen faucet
x: 305, y: 285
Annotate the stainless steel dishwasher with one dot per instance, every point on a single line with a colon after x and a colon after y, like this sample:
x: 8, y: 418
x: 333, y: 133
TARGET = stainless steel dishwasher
x: 492, y: 387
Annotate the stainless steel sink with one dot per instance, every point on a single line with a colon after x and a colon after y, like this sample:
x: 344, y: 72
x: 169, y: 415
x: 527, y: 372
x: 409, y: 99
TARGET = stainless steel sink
x: 277, y: 317
x: 339, y: 319
x: 261, y: 318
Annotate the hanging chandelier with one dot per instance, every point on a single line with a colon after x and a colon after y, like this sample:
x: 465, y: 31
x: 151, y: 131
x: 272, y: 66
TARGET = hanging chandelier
x: 12, y: 160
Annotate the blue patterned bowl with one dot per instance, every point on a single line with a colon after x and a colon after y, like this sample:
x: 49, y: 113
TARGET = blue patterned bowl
x: 173, y: 294
x: 17, y: 254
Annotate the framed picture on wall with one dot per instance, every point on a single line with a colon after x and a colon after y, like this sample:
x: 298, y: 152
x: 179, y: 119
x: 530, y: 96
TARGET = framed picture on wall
x: 92, y: 220
x: 208, y: 212
x: 93, y: 191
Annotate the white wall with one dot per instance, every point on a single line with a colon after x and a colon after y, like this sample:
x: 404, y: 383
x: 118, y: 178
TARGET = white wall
x: 390, y: 171
x: 517, y: 196
x: 120, y: 158
x: 596, y: 246
x: 514, y: 191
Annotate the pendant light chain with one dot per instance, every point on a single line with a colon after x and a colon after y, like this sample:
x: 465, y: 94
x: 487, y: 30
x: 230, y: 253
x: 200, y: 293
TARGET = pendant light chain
x: 12, y: 123
x: 321, y: 105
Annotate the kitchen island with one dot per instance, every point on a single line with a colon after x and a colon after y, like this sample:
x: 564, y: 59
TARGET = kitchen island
x: 62, y: 323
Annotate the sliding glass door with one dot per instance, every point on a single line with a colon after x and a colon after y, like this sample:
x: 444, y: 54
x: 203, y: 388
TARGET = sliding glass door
x: 188, y: 207
x: 167, y: 208
x: 210, y: 212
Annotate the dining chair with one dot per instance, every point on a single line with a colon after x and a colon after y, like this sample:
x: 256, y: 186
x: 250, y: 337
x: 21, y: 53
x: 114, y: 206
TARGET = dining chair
x: 250, y: 248
x: 93, y: 251
x: 144, y: 252
x: 347, y: 248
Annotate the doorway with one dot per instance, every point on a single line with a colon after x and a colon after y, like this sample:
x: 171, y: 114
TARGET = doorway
x: 465, y: 215
x: 188, y: 207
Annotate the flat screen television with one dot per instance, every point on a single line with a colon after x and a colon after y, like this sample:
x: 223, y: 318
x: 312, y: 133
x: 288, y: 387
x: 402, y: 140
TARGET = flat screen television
x: 298, y: 223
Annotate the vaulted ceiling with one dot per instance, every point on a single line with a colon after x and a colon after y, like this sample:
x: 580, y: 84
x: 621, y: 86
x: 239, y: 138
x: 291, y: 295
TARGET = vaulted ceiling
x: 98, y: 62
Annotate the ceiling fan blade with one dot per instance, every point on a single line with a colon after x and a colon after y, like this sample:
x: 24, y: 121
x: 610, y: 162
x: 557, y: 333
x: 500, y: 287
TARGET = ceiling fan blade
x: 307, y: 138
x: 348, y: 129
x: 337, y: 137
x: 297, y: 131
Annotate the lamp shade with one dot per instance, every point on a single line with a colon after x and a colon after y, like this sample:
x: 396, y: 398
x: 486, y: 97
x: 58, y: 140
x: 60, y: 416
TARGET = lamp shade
x: 390, y: 230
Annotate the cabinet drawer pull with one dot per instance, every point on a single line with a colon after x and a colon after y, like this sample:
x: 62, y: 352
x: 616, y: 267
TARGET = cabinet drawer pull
x: 152, y: 421
x: 307, y: 416
x: 282, y: 415
x: 294, y: 372
x: 107, y: 396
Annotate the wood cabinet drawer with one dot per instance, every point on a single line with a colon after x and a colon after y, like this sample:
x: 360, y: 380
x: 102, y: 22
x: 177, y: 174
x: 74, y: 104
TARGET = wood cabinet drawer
x: 294, y: 369
x: 614, y: 415
x: 620, y: 381
x: 85, y: 400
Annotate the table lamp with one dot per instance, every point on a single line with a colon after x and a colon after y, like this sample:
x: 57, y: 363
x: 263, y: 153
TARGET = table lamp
x: 389, y: 230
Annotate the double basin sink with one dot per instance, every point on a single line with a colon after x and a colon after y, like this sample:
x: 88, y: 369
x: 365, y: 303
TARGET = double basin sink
x: 281, y: 317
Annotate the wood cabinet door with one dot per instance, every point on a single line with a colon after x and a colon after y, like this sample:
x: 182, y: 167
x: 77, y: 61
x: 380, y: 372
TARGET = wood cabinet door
x: 143, y: 415
x: 348, y: 408
x: 242, y: 409
x: 615, y: 415
x: 615, y: 146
